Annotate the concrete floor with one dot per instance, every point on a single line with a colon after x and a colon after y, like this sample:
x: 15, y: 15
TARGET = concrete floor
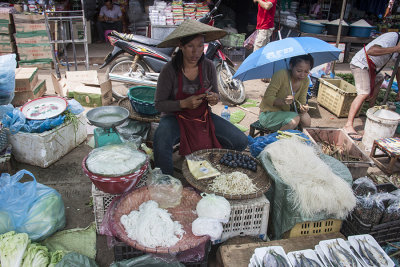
x: 67, y: 177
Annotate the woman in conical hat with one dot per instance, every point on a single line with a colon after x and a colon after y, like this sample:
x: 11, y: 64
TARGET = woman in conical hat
x: 186, y: 88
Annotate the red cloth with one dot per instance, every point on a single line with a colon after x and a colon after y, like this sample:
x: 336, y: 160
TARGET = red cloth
x: 372, y: 73
x: 265, y: 18
x: 196, y: 127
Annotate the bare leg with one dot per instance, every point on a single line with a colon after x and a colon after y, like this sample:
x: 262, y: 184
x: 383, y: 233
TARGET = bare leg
x: 376, y: 92
x: 305, y: 119
x: 292, y: 124
x: 355, y: 106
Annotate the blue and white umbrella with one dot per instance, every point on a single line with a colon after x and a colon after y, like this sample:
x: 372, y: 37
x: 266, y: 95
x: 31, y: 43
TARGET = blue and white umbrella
x: 267, y: 60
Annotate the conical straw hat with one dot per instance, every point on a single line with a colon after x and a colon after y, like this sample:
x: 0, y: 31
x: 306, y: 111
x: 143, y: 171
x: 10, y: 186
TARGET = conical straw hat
x: 192, y: 27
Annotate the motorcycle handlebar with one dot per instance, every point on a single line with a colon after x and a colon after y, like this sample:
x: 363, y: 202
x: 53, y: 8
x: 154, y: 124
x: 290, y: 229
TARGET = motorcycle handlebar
x: 208, y: 16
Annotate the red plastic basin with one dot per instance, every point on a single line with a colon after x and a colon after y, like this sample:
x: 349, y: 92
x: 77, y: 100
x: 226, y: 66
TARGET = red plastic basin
x: 115, y: 185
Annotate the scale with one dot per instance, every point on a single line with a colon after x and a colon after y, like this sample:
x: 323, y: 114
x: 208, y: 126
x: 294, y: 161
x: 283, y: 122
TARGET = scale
x: 106, y: 119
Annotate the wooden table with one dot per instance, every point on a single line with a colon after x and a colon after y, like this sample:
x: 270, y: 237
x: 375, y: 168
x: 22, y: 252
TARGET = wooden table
x: 391, y: 149
x: 343, y: 39
x: 239, y: 255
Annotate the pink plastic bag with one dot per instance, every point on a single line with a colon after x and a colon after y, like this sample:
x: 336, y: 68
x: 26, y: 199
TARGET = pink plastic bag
x: 249, y: 42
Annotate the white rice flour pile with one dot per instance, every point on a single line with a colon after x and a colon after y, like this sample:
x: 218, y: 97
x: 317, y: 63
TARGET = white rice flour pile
x: 152, y: 227
x: 315, y: 187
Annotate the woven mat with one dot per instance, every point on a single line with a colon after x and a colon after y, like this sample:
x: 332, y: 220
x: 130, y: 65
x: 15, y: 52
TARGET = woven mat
x: 137, y: 116
x: 260, y: 178
x: 184, y: 213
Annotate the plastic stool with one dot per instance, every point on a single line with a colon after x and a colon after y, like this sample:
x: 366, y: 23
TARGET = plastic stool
x: 257, y: 126
x: 106, y: 34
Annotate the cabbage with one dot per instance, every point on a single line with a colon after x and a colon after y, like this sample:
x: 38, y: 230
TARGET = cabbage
x: 12, y: 249
x: 56, y: 257
x: 36, y: 256
x: 45, y: 217
x: 212, y: 206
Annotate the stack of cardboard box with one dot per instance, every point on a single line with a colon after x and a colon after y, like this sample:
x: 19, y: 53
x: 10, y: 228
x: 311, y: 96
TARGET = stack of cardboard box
x: 27, y: 86
x: 7, y: 43
x: 32, y: 40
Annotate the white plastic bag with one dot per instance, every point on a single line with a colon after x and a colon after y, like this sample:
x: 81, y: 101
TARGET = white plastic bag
x: 212, y: 206
x: 207, y: 226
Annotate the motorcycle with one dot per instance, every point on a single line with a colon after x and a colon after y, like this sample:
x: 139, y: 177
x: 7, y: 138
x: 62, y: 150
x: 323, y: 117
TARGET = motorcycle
x: 144, y: 62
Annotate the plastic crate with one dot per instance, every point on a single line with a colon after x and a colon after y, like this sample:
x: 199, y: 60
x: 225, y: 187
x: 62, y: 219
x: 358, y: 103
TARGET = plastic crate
x: 314, y: 228
x: 248, y: 217
x: 338, y: 137
x: 237, y: 54
x: 336, y: 95
x: 123, y: 251
x: 233, y: 40
x: 101, y: 201
x: 383, y: 232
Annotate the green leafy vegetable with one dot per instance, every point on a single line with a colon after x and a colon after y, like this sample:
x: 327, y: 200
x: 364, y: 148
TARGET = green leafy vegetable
x: 36, y: 256
x: 12, y: 249
x: 56, y: 257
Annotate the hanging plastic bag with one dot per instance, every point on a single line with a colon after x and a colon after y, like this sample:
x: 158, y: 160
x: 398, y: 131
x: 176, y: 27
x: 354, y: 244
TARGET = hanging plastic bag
x: 249, y: 42
x: 75, y: 107
x: 165, y: 189
x: 29, y: 207
x: 7, y: 78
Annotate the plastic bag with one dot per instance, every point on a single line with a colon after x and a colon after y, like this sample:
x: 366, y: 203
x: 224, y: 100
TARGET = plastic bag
x: 364, y: 186
x: 132, y: 130
x: 392, y: 213
x: 396, y: 192
x: 386, y: 198
x: 4, y: 109
x: 7, y: 78
x: 207, y: 226
x: 212, y: 206
x: 369, y: 209
x: 76, y: 259
x: 249, y: 42
x: 33, y: 208
x: 146, y: 261
x: 115, y: 160
x: 164, y: 189
x: 75, y: 107
x: 14, y: 120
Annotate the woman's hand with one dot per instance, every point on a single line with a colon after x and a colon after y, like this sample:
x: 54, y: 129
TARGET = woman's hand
x: 192, y: 102
x: 212, y: 98
x: 288, y: 100
x: 304, y: 108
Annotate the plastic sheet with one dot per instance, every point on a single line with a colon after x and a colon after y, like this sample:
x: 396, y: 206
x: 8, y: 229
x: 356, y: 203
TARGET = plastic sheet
x: 392, y: 213
x: 164, y: 189
x: 369, y: 209
x: 133, y: 131
x: 364, y: 186
x: 146, y: 261
x: 76, y: 259
x: 386, y: 198
x: 33, y: 208
x: 7, y: 78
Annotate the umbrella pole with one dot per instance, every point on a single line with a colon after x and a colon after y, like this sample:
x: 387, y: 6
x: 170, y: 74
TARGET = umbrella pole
x: 339, y: 32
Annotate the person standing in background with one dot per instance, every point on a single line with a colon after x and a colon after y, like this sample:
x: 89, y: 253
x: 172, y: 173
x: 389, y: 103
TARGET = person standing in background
x: 110, y: 18
x: 265, y: 22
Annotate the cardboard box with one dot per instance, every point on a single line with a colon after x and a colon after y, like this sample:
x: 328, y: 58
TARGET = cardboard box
x: 6, y: 38
x: 8, y: 47
x: 31, y: 18
x: 6, y: 18
x: 47, y: 64
x: 30, y: 27
x: 60, y: 85
x: 21, y: 98
x: 43, y: 149
x: 77, y: 78
x: 32, y: 52
x: 25, y: 79
x: 79, y: 33
x: 94, y: 95
x: 40, y: 39
x: 6, y: 28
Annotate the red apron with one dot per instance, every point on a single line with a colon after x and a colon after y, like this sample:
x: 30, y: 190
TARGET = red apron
x: 372, y: 73
x: 196, y: 127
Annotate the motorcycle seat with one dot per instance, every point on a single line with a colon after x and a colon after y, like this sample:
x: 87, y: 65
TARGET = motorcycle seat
x: 136, y: 38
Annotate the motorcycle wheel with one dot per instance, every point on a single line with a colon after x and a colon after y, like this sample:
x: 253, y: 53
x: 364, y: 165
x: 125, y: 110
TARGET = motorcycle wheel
x: 230, y: 89
x: 123, y: 65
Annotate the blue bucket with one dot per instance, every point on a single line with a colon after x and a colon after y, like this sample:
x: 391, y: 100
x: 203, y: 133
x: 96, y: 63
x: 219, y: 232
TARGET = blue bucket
x: 311, y: 27
x: 358, y: 31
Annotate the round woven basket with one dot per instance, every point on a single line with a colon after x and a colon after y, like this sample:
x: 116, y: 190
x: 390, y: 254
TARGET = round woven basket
x: 260, y: 178
x: 184, y: 213
x: 125, y: 102
x: 142, y: 99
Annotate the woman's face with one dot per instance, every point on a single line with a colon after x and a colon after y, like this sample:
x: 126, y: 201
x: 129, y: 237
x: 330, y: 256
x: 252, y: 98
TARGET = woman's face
x: 301, y: 70
x: 193, y: 50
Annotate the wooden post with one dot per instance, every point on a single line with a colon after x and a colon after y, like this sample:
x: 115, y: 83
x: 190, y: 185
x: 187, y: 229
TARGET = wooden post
x: 389, y: 87
x: 339, y: 31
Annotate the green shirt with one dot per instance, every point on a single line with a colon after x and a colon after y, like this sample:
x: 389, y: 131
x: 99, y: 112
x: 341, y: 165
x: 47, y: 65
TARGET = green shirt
x: 279, y: 87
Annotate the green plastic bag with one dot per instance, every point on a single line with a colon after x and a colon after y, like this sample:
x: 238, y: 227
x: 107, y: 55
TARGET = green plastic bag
x: 74, y: 259
x: 145, y: 261
x: 237, y: 116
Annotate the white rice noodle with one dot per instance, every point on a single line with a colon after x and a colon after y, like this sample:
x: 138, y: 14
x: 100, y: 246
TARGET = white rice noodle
x: 315, y: 187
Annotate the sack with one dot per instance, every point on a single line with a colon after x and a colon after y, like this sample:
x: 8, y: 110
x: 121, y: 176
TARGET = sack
x: 249, y: 42
x: 29, y: 207
x: 7, y: 78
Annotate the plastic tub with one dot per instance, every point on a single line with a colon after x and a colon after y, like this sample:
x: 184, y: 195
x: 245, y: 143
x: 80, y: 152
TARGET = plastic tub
x: 332, y: 29
x: 115, y: 185
x: 358, y: 31
x: 381, y: 123
x: 142, y: 99
x: 311, y: 27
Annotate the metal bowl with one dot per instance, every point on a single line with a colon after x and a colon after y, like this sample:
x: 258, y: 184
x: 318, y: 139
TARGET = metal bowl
x: 107, y: 116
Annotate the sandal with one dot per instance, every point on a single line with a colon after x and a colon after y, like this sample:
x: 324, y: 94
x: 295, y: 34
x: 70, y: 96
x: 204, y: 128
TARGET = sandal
x: 354, y: 136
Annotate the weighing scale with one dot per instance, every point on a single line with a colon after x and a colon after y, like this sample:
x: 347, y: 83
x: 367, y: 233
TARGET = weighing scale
x: 106, y: 119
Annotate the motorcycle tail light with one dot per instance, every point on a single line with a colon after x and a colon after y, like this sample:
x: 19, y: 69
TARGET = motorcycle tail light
x: 112, y: 40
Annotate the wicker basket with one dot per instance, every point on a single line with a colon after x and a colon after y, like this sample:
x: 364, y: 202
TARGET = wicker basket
x: 126, y: 103
x: 3, y: 138
x: 260, y: 178
x: 142, y: 99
